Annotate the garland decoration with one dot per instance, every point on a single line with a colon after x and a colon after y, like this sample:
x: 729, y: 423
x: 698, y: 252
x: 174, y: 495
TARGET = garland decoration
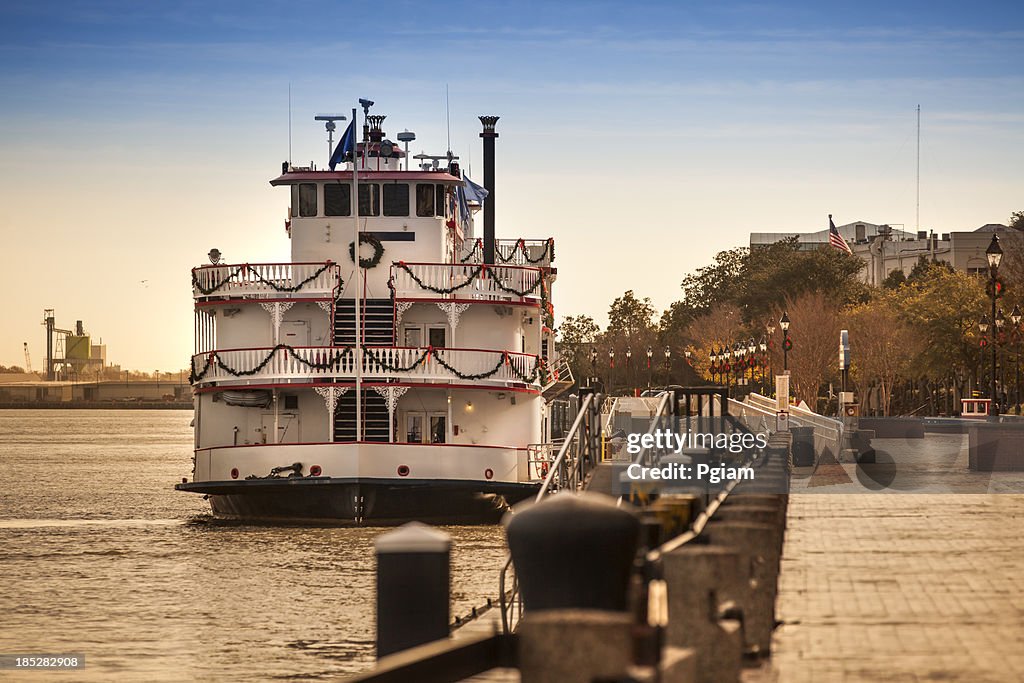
x: 320, y: 363
x: 477, y: 271
x: 520, y: 246
x: 327, y: 361
x: 373, y: 241
x: 368, y: 353
x: 477, y: 248
x: 245, y: 270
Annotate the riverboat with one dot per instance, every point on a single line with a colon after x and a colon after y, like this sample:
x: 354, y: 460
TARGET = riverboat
x: 397, y: 367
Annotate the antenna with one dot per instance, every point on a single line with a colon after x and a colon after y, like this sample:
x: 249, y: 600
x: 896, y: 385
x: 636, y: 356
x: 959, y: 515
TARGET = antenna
x: 448, y: 119
x: 331, y: 127
x: 289, y: 123
x: 918, y: 218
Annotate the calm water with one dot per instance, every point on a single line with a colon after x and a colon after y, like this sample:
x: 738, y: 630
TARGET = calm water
x: 102, y: 557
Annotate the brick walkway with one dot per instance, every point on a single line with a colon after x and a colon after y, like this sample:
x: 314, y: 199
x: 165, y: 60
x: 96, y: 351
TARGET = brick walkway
x: 911, y: 587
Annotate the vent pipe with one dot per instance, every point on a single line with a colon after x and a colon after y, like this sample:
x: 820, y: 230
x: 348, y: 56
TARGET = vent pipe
x: 489, y: 135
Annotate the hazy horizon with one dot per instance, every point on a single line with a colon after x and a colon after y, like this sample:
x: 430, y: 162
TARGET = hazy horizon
x: 643, y: 138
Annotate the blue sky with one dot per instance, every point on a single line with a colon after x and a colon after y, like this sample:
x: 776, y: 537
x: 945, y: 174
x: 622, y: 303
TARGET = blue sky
x: 644, y: 137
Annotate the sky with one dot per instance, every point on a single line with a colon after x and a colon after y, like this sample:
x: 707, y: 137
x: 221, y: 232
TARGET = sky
x: 643, y: 137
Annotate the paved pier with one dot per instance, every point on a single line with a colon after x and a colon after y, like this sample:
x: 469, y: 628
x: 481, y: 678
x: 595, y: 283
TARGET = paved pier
x: 900, y: 587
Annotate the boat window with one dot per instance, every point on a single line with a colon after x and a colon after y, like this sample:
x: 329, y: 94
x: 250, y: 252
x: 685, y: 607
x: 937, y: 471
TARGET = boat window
x: 438, y: 428
x: 439, y: 203
x: 369, y: 199
x: 413, y: 337
x: 424, y: 199
x: 436, y: 337
x: 396, y: 199
x: 414, y: 427
x: 337, y: 200
x: 307, y: 199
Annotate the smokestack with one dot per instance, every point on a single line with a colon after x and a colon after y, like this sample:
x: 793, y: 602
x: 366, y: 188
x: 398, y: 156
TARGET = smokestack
x: 488, y: 135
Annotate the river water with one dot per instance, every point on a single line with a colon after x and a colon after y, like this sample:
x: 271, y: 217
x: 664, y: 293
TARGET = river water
x: 101, y: 557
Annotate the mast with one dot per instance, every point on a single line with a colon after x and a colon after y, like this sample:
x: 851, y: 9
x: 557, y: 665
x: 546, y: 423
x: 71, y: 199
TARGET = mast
x: 357, y: 303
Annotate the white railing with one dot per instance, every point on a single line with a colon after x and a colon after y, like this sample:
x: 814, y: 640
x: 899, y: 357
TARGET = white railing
x: 292, y: 364
x: 537, y: 253
x: 266, y: 280
x: 467, y: 281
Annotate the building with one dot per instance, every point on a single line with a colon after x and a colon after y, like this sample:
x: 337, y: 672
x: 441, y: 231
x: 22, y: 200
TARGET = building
x: 885, y: 249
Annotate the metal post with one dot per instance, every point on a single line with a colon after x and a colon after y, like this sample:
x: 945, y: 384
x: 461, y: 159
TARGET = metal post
x: 413, y: 587
x: 1017, y: 381
x: 785, y: 351
x: 357, y: 355
x: 994, y: 404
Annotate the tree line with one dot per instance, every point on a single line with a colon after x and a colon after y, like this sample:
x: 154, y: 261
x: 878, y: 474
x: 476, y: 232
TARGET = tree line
x: 915, y: 342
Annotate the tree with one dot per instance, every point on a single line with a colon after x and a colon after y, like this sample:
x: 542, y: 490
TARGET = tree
x: 883, y: 346
x: 781, y: 271
x: 631, y: 328
x: 721, y: 325
x: 815, y: 334
x: 943, y: 308
x: 894, y: 280
x: 576, y: 336
x: 1017, y: 220
x: 711, y: 285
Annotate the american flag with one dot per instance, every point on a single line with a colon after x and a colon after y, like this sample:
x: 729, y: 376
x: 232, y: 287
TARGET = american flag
x: 835, y: 239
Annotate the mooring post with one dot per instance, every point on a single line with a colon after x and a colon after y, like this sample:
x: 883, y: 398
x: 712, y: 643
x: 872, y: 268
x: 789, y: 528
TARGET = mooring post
x: 574, y: 557
x: 413, y: 587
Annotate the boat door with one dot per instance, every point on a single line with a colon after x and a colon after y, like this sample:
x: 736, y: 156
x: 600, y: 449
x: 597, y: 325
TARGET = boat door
x: 287, y: 428
x: 295, y: 332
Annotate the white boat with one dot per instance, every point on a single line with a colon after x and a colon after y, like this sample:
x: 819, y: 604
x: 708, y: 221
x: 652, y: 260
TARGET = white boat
x: 412, y: 385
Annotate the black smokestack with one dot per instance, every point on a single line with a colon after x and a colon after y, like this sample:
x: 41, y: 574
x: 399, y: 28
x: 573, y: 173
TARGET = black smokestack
x: 488, y: 135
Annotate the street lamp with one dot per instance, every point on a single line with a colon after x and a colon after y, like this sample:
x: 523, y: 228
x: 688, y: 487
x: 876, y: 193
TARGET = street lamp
x: 1015, y: 317
x: 765, y: 362
x: 784, y: 324
x: 751, y: 349
x: 994, y: 254
x: 650, y: 353
x: 983, y: 326
x: 629, y: 368
x: 668, y: 368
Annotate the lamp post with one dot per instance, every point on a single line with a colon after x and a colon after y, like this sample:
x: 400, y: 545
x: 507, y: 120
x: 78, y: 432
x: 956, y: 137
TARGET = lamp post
x: 1015, y: 317
x: 983, y: 325
x: 629, y: 366
x: 784, y: 324
x: 1000, y: 339
x: 752, y: 360
x: 738, y: 350
x: 611, y: 368
x: 994, y: 254
x: 765, y: 361
x: 713, y: 358
x: 650, y: 352
x: 593, y: 364
x: 668, y: 367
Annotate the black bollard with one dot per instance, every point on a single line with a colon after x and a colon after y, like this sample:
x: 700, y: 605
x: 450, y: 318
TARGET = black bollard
x: 413, y: 587
x: 574, y: 551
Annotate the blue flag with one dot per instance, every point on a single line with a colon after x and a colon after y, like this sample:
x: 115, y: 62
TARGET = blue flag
x: 346, y: 145
x: 474, y: 192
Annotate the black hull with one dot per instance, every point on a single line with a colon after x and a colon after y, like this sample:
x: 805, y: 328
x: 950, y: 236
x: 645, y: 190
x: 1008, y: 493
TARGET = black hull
x: 363, y: 502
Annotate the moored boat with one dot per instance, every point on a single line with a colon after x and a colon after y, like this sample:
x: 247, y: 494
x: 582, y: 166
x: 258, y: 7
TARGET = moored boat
x: 397, y: 367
